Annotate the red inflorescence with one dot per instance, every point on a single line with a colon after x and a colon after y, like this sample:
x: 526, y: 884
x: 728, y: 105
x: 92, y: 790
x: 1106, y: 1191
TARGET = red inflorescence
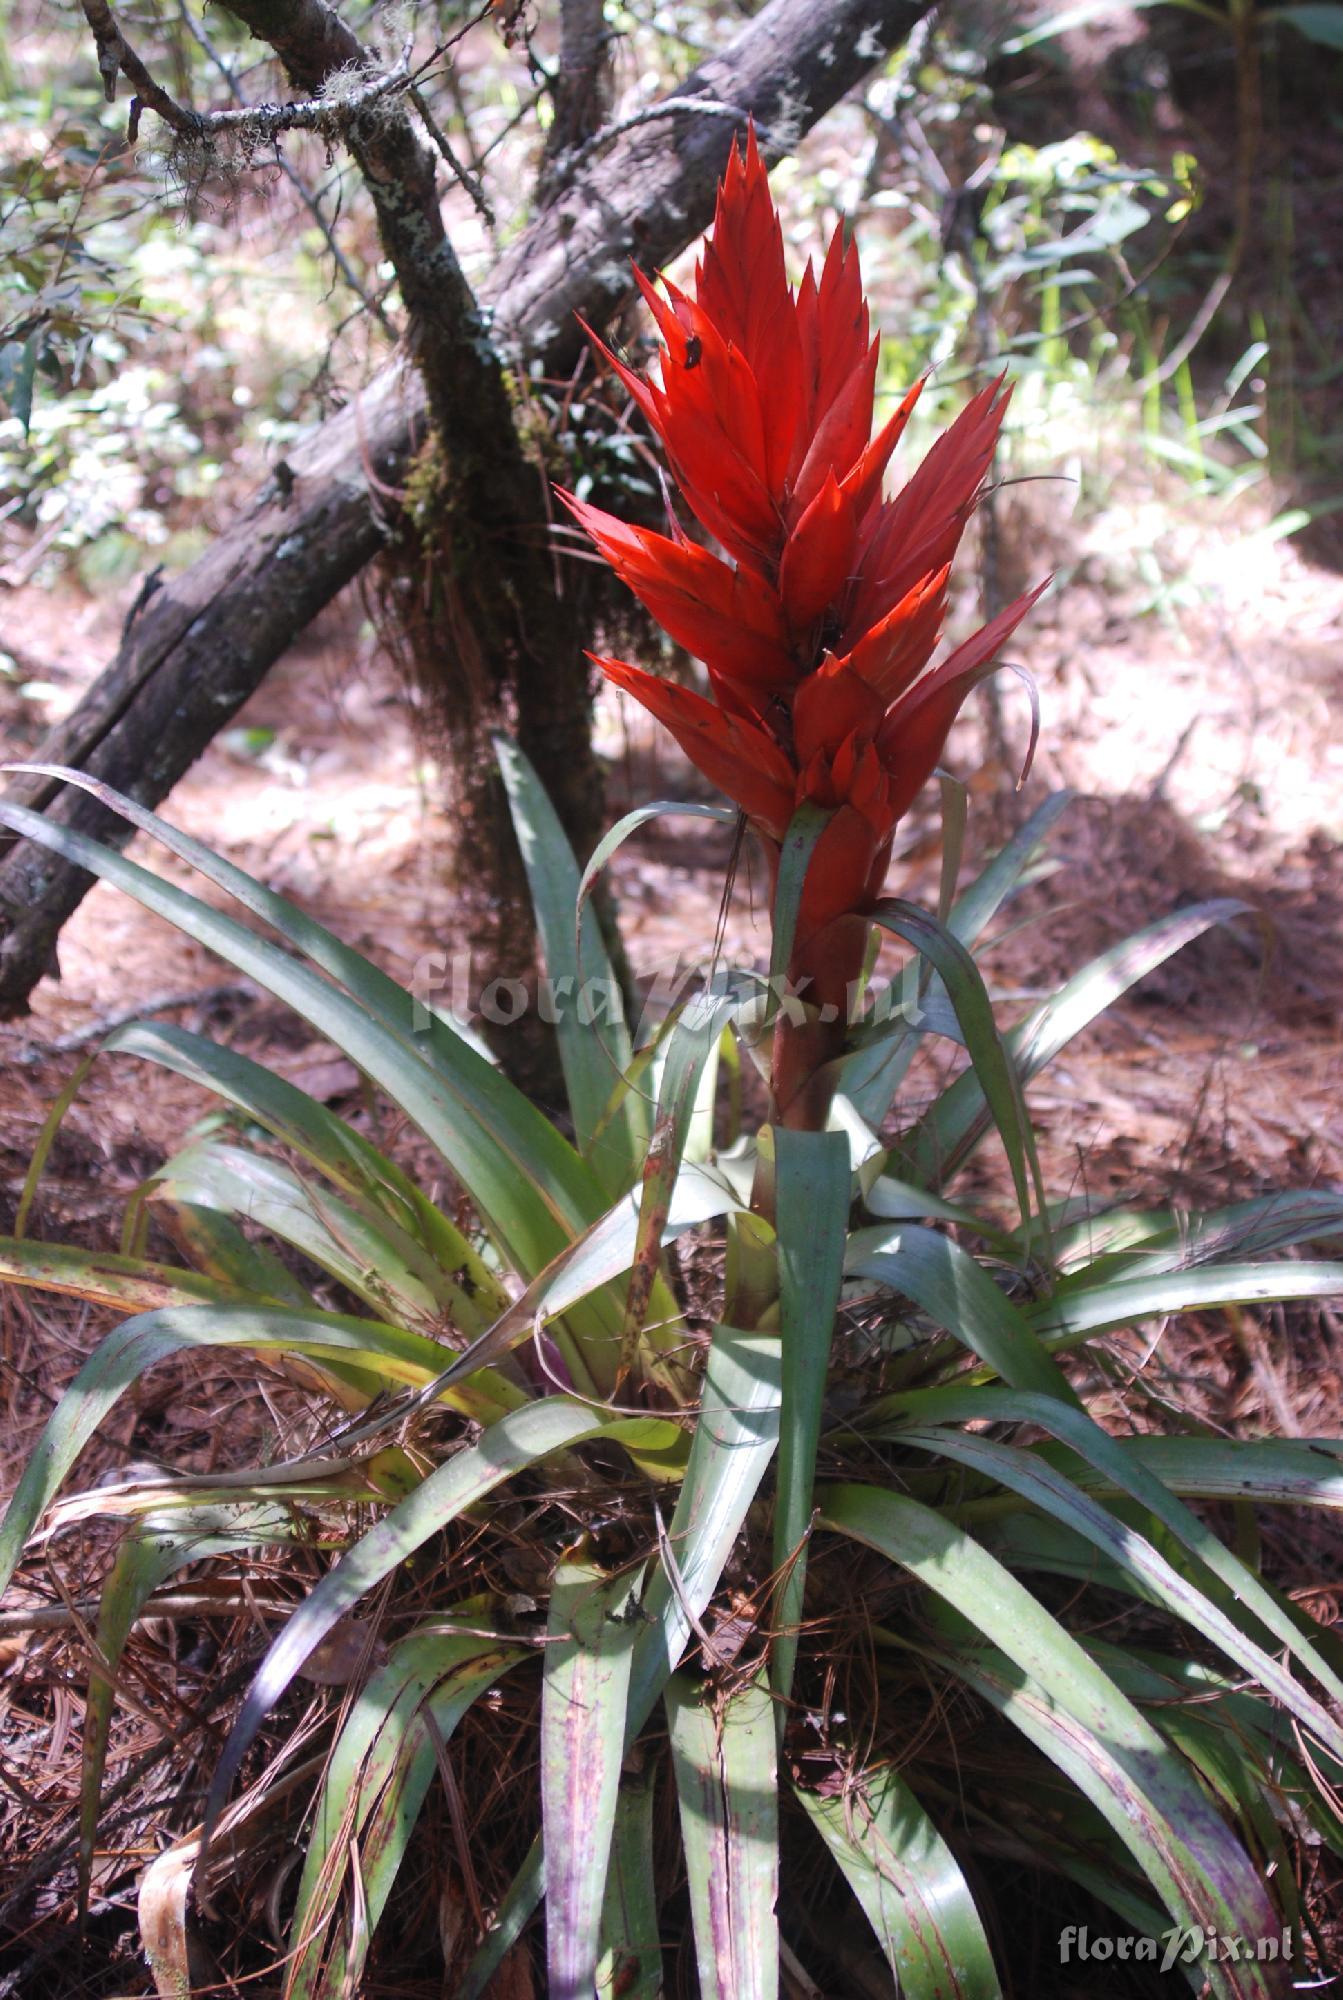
x: 818, y: 622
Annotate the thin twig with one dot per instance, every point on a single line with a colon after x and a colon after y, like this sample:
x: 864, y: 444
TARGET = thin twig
x: 674, y: 1577
x: 1198, y: 326
x: 668, y: 107
x: 117, y: 57
x: 524, y: 110
x: 453, y: 84
x: 292, y: 175
x: 327, y: 115
x: 471, y: 182
x: 163, y: 1003
x: 170, y: 1604
x: 330, y: 116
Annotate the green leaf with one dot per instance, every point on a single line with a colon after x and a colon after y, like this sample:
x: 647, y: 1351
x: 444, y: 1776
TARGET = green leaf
x: 941, y: 1142
x: 339, y: 1152
x: 959, y: 1294
x: 910, y: 1887
x: 871, y: 1077
x: 994, y: 1067
x: 524, y: 1438
x: 358, y: 1245
x: 46, y: 1139
x: 1049, y: 1489
x: 900, y: 1201
x: 632, y: 821
x: 723, y: 1757
x: 1080, y: 1312
x: 1037, y: 1545
x: 1251, y: 1728
x: 595, y: 1051
x: 149, y: 1554
x: 601, y: 1254
x: 511, y: 1918
x: 630, y: 1967
x: 583, y: 1702
x: 1100, y: 1774
x: 1123, y: 1461
x: 1166, y: 1240
x: 20, y: 376
x: 955, y: 800
x: 700, y: 1144
x: 1251, y: 1794
x: 130, y: 1284
x: 530, y: 1186
x: 380, y: 1770
x: 372, y: 987
x: 133, y: 1348
x: 799, y: 844
x: 1291, y: 1472
x: 1093, y: 1733
x: 691, y: 1042
x: 735, y: 1439
x: 1004, y: 874
x: 812, y: 1208
x: 217, y: 1247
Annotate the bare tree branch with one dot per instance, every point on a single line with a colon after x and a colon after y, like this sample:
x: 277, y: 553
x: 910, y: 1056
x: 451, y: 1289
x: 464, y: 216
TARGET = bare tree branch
x: 292, y: 175
x: 472, y: 182
x: 368, y: 112
x: 207, y: 637
x: 501, y: 636
x: 116, y: 58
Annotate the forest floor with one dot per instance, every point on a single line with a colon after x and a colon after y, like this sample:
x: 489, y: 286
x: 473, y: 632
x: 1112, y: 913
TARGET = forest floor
x: 1194, y: 725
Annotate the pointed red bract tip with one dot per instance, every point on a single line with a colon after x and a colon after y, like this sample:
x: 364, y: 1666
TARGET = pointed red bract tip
x: 733, y: 752
x: 729, y: 618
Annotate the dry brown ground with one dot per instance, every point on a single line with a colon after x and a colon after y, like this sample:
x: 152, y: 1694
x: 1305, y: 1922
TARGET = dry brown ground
x: 1206, y: 761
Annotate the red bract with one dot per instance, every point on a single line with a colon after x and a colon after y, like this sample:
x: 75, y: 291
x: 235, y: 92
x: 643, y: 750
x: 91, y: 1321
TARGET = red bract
x: 817, y: 623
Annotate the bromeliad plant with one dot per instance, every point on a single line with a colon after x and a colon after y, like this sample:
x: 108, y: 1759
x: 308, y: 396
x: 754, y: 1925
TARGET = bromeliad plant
x: 891, y: 1595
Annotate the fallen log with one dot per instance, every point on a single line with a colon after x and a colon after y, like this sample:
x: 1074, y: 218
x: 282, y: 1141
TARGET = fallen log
x: 197, y: 645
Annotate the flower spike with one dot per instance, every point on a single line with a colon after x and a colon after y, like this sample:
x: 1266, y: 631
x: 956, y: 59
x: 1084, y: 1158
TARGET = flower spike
x: 818, y: 620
